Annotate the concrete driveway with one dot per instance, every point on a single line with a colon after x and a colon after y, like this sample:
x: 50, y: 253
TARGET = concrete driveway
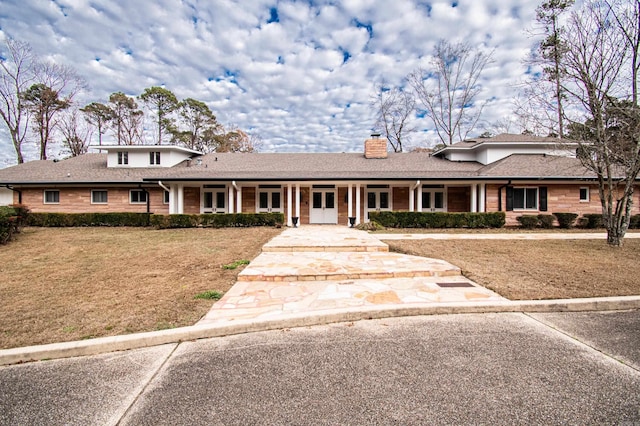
x: 568, y: 368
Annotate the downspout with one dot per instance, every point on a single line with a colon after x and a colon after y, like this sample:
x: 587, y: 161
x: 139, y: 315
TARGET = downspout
x: 147, y: 194
x: 500, y: 194
x: 413, y: 188
x: 412, y: 201
x: 15, y: 190
x: 163, y: 187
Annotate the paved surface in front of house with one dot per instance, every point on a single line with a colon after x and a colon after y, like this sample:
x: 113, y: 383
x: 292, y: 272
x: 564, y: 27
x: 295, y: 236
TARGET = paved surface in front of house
x: 315, y: 269
x: 498, y: 369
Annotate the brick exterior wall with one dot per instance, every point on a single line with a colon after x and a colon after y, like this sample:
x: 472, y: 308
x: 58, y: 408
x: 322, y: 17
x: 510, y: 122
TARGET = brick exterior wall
x: 400, y: 198
x: 458, y: 199
x: 560, y: 198
x: 191, y: 200
x: 78, y: 200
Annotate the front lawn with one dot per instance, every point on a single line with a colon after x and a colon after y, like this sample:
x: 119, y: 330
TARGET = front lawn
x: 62, y: 284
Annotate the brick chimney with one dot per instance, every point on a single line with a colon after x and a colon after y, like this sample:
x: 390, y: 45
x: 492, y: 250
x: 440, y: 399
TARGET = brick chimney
x: 375, y: 147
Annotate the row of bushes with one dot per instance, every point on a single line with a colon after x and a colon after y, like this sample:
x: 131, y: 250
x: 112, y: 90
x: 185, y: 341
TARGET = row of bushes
x: 12, y: 219
x: 159, y: 221
x: 438, y: 220
x: 569, y: 220
x: 217, y: 220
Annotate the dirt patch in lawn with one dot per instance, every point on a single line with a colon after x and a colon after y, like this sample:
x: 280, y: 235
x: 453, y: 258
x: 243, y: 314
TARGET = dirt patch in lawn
x: 539, y: 269
x: 75, y: 283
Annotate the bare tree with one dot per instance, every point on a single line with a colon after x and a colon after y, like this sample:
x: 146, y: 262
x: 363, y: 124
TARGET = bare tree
x: 448, y: 89
x: 236, y: 140
x: 76, y: 132
x: 17, y: 73
x: 598, y: 52
x: 395, y: 107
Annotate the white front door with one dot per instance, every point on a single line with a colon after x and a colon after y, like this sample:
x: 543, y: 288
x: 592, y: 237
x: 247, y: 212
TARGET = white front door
x: 434, y: 200
x: 378, y: 200
x: 269, y: 200
x: 214, y: 201
x: 323, y: 206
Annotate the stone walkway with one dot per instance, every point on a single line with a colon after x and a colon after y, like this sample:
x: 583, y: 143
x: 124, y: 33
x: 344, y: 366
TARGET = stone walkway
x: 324, y: 268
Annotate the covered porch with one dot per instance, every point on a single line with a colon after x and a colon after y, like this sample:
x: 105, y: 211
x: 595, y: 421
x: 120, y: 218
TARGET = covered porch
x: 324, y: 202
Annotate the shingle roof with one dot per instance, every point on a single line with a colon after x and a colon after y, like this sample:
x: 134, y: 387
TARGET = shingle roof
x: 92, y: 168
x: 536, y: 166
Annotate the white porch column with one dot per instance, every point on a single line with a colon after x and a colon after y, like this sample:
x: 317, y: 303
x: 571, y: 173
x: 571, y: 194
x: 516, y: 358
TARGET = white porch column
x: 239, y: 200
x: 298, y: 203
x: 180, y: 203
x: 474, y: 198
x: 412, y: 193
x: 357, y: 204
x: 289, y: 205
x: 230, y: 209
x: 173, y: 199
x: 483, y: 196
x: 350, y: 202
x: 420, y: 197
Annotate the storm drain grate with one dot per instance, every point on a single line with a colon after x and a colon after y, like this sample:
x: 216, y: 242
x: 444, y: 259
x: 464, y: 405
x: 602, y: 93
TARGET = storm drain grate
x: 455, y: 284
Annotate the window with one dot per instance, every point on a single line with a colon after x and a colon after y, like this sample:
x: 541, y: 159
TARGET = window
x: 154, y: 158
x: 137, y: 196
x: 123, y: 157
x: 525, y: 198
x: 51, y: 196
x: 166, y: 197
x: 99, y: 196
x: 584, y: 194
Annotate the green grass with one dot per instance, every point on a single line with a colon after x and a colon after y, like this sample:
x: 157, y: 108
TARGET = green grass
x: 209, y: 295
x: 235, y: 264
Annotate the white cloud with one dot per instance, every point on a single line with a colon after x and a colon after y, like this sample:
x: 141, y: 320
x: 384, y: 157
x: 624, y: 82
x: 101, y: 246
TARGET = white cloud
x: 298, y: 73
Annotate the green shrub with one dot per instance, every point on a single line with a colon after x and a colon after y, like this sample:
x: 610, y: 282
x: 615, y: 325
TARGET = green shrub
x: 217, y: 220
x: 528, y: 221
x: 438, y: 219
x: 546, y: 221
x: 88, y: 219
x: 594, y: 221
x: 634, y: 223
x: 565, y: 220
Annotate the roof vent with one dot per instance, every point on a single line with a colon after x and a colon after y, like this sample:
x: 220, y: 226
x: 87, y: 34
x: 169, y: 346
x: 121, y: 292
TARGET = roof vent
x: 199, y: 161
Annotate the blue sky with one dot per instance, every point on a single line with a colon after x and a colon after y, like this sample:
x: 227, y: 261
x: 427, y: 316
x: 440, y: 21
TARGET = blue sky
x: 298, y: 73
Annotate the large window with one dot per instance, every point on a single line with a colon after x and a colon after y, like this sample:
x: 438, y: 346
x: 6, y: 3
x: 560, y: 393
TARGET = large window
x: 51, y: 196
x: 525, y: 198
x: 99, y: 196
x: 137, y: 196
x: 123, y: 157
x: 154, y: 158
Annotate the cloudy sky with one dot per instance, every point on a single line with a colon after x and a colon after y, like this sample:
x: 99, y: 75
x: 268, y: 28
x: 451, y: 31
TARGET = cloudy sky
x: 299, y: 73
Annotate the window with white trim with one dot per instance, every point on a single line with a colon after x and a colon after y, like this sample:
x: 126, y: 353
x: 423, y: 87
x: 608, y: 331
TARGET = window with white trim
x: 99, y: 196
x: 51, y: 196
x: 137, y: 196
x: 123, y: 157
x: 525, y: 198
x: 154, y: 158
x: 584, y: 194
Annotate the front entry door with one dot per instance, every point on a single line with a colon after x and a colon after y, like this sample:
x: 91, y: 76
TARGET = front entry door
x: 214, y: 202
x: 323, y: 206
x: 434, y: 201
x: 269, y: 200
x: 378, y: 200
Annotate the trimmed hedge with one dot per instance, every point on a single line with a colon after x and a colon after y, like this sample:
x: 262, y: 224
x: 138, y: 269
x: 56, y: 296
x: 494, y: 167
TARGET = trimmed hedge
x: 88, y: 219
x: 209, y: 220
x: 565, y: 220
x: 438, y: 220
x: 634, y: 223
x: 546, y: 220
x: 594, y: 221
x: 159, y: 221
x: 528, y: 221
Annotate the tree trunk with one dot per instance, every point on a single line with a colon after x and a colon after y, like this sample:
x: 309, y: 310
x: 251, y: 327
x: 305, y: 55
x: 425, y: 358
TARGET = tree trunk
x: 614, y: 237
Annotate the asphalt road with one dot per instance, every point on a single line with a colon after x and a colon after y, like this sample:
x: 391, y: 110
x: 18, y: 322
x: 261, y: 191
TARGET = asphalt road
x: 573, y: 368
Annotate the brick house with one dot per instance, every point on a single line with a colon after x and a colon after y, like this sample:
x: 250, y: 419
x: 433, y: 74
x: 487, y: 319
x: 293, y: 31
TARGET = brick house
x: 518, y: 174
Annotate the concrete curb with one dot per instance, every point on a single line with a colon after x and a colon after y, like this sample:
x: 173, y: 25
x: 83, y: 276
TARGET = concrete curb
x: 177, y: 335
